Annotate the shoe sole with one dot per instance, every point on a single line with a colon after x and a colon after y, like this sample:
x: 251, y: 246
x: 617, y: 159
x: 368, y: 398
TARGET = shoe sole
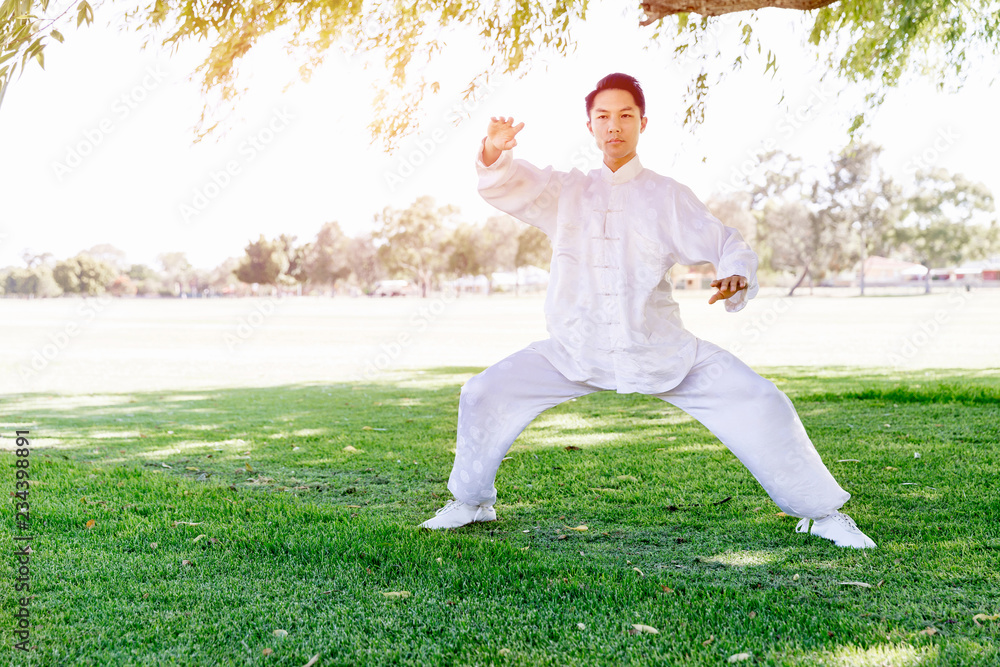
x: 847, y: 545
x: 485, y: 519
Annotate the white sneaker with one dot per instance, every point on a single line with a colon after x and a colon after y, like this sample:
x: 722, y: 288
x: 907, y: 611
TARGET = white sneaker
x: 456, y: 513
x: 839, y: 529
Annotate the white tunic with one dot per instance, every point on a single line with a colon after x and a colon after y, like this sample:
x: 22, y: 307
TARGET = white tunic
x: 609, y: 311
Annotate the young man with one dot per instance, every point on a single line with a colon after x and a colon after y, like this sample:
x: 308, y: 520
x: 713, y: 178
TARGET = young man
x: 613, y: 325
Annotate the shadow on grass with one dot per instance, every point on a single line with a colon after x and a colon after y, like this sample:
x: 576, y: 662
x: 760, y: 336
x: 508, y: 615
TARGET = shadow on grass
x: 391, y: 444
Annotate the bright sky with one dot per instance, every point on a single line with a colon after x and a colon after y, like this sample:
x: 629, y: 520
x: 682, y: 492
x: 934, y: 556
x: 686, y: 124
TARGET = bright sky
x: 99, y: 147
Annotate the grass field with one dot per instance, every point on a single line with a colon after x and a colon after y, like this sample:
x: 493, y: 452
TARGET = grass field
x: 74, y: 346
x: 223, y: 518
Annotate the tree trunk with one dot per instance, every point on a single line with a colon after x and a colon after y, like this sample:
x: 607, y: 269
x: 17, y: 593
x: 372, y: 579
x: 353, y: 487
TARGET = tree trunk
x: 802, y: 276
x: 657, y: 9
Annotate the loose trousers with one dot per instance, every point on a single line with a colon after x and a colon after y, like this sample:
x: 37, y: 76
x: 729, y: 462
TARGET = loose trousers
x: 746, y: 412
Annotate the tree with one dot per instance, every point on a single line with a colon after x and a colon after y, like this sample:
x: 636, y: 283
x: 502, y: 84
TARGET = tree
x: 295, y: 258
x: 83, y: 275
x: 464, y: 249
x: 110, y: 255
x: 326, y: 259
x: 123, y: 286
x: 145, y: 279
x: 363, y: 260
x: 796, y: 240
x: 32, y: 260
x: 733, y: 210
x: 222, y: 278
x: 177, y: 271
x: 865, y: 200
x: 263, y: 262
x: 412, y: 241
x: 947, y: 219
x: 533, y: 249
x: 500, y: 234
x: 868, y: 42
x: 475, y: 250
x: 138, y: 272
x: 818, y: 221
x: 796, y: 222
x: 34, y: 280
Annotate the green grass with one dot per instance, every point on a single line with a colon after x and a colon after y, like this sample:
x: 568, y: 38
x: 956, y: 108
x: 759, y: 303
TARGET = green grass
x: 303, y: 536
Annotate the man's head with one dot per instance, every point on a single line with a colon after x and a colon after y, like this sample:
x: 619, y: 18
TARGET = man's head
x: 616, y: 109
x: 619, y: 81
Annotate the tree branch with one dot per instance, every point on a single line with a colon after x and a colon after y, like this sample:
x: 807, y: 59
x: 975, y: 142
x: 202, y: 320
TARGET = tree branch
x: 658, y: 9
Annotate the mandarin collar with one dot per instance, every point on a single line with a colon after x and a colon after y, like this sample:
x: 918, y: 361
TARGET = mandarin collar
x: 625, y: 173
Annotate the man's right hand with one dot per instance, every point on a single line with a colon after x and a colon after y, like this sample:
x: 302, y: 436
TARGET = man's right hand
x: 501, y: 132
x: 500, y: 137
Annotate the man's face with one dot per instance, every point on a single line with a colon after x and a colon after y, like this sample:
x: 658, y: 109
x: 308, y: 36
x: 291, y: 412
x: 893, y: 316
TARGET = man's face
x: 616, y: 125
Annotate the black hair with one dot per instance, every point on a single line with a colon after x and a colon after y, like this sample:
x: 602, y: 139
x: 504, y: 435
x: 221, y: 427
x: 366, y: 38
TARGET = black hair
x: 619, y: 81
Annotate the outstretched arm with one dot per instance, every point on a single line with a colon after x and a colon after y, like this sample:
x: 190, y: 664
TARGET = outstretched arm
x: 500, y: 135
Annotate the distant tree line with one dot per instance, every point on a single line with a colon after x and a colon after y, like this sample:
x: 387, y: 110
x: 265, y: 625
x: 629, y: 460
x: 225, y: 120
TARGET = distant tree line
x: 806, y: 222
x: 424, y: 244
x: 815, y: 223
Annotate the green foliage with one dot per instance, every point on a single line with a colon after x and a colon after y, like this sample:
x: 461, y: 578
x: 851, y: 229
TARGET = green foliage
x: 34, y: 280
x: 109, y: 254
x: 868, y: 42
x: 366, y: 267
x: 177, y: 270
x: 948, y: 219
x: 140, y: 272
x: 326, y: 260
x: 877, y: 43
x: 411, y: 242
x: 264, y: 262
x: 818, y: 223
x: 83, y: 275
x: 533, y: 248
x: 474, y: 250
x: 295, y: 271
x: 123, y: 286
x: 26, y: 27
x: 464, y: 251
x: 804, y: 229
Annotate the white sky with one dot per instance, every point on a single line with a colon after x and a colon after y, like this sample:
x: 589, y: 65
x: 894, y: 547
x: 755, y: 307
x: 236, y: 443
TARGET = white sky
x: 313, y: 162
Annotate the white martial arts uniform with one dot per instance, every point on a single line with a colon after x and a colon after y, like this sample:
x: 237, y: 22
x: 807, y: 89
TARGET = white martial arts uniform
x: 613, y: 325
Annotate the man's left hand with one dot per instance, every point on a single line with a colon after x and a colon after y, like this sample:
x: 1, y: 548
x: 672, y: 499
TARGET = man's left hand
x: 727, y: 287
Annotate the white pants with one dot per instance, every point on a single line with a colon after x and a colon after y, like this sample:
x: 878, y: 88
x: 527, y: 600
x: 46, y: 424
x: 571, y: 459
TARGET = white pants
x: 751, y: 417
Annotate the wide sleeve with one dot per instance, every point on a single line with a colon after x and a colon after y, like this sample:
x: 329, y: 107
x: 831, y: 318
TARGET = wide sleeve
x: 698, y: 236
x: 521, y: 189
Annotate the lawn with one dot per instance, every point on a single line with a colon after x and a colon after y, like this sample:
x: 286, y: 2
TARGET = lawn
x: 270, y: 526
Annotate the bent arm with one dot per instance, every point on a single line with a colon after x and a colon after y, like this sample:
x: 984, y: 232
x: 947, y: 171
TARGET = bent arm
x: 701, y: 237
x: 519, y: 188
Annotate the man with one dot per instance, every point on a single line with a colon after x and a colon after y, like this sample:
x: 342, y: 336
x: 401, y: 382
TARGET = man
x: 613, y: 325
